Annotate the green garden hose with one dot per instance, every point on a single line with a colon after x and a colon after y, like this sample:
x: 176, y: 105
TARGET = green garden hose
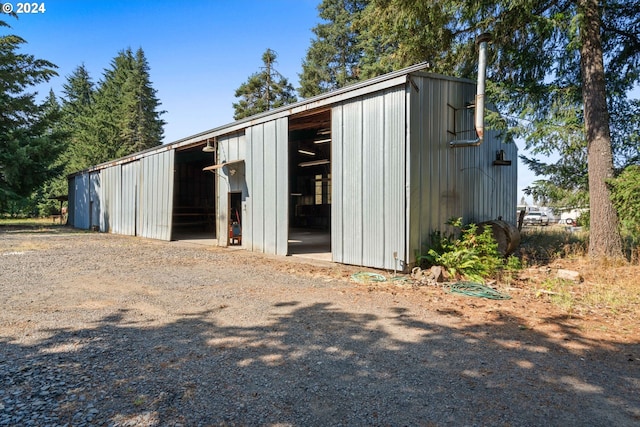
x: 475, y: 290
x: 366, y: 277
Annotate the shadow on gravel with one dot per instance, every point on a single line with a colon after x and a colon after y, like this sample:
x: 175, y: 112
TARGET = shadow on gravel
x: 316, y: 365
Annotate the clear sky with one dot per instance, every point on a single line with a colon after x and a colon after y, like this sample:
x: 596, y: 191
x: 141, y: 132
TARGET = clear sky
x: 199, y: 51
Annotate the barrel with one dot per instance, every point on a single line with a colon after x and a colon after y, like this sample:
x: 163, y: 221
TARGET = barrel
x: 506, y: 235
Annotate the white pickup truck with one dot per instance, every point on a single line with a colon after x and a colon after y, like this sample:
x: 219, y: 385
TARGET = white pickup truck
x: 536, y: 218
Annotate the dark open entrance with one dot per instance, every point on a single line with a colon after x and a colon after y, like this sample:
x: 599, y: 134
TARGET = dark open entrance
x: 235, y: 218
x: 194, y: 207
x: 310, y: 184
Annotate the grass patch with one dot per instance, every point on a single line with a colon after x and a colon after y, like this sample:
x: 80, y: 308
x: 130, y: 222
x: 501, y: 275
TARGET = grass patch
x: 611, y: 298
x: 543, y: 245
x: 610, y: 287
x: 27, y: 222
x: 559, y: 292
x: 620, y: 297
x: 33, y: 225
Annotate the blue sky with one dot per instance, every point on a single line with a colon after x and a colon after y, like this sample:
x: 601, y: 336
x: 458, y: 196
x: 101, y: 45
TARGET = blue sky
x: 199, y: 51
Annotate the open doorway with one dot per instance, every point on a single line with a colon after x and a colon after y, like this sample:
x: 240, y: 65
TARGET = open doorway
x: 194, y: 209
x: 310, y: 184
x: 235, y: 218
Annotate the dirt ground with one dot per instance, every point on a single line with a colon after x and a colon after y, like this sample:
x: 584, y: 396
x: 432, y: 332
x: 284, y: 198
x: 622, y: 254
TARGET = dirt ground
x: 531, y: 304
x: 65, y: 292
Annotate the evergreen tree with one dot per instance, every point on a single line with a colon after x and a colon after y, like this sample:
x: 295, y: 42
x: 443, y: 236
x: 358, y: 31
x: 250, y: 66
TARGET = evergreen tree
x: 334, y: 56
x: 145, y: 128
x: 625, y: 132
x: 552, y: 66
x: 39, y: 201
x: 29, y: 141
x: 111, y: 119
x: 263, y: 91
x: 52, y: 108
x: 78, y: 91
x: 398, y: 33
x: 78, y: 121
x: 125, y: 118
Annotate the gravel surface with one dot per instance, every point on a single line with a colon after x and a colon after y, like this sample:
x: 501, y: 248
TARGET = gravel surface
x: 99, y: 329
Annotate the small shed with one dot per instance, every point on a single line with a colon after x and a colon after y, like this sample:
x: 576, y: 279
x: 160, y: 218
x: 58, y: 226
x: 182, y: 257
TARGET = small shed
x: 366, y: 172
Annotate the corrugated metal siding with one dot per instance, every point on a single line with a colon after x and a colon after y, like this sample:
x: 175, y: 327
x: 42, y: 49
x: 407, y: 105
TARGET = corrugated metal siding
x: 266, y: 221
x: 71, y: 201
x: 130, y: 198
x: 373, y: 199
x: 156, y: 195
x: 111, y: 213
x: 95, y: 199
x: 253, y: 230
x: 231, y: 147
x: 492, y: 189
x: 348, y: 175
x: 395, y: 179
x: 337, y: 183
x: 368, y: 180
x: 111, y: 198
x: 81, y: 206
x: 450, y: 182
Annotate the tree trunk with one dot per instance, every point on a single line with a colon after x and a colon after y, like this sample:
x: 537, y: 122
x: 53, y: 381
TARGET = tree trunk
x: 604, y: 236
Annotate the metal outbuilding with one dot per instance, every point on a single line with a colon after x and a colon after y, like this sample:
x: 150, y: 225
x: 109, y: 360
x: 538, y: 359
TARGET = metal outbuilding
x: 375, y: 167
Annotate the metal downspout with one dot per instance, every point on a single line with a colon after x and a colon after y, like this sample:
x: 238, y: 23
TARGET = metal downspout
x: 482, y: 41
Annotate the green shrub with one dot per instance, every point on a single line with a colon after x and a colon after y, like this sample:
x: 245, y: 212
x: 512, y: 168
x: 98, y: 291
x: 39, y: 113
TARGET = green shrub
x: 468, y: 254
x: 625, y: 195
x: 584, y: 220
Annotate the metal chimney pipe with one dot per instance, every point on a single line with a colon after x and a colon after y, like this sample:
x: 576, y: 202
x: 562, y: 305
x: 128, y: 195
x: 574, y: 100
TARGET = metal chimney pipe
x: 482, y: 40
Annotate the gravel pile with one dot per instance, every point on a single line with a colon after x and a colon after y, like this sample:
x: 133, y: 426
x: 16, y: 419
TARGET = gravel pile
x: 108, y: 330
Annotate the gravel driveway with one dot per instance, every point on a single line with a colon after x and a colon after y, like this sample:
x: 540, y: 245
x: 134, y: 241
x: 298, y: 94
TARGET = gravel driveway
x: 99, y: 329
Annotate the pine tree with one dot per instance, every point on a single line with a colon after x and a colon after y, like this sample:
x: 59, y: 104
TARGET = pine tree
x: 77, y: 121
x: 29, y: 140
x: 52, y: 108
x: 111, y: 118
x: 78, y: 91
x: 263, y: 91
x: 604, y: 234
x: 398, y: 33
x: 146, y: 127
x: 125, y: 117
x: 334, y: 56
